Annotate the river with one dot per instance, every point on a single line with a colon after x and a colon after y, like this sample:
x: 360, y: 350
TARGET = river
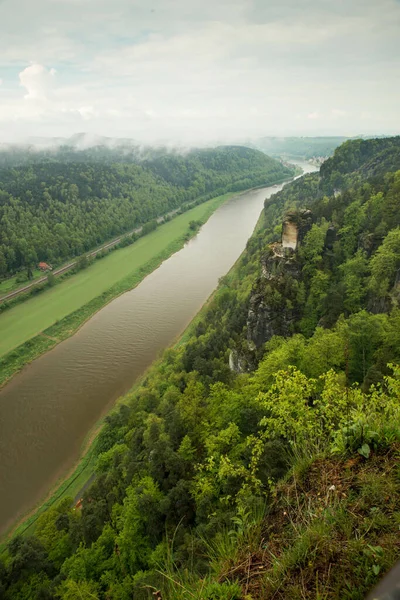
x: 48, y: 408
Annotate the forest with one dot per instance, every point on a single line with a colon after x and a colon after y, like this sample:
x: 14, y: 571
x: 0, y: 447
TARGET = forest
x: 258, y: 459
x: 67, y: 202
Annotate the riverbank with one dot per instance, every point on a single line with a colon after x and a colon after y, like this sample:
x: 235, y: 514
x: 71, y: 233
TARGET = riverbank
x: 180, y: 280
x: 71, y: 484
x: 22, y: 292
x: 48, y: 319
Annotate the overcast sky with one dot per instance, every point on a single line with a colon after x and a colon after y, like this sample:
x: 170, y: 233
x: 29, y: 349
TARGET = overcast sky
x: 199, y: 70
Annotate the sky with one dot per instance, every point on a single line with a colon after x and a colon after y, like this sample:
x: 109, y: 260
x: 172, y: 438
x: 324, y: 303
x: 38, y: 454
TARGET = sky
x: 198, y: 71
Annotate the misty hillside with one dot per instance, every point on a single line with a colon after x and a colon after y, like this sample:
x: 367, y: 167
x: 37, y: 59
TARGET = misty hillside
x: 55, y: 209
x: 81, y: 147
x: 299, y: 147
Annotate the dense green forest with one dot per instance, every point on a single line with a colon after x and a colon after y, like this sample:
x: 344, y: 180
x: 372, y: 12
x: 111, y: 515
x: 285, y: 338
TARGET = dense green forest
x: 259, y: 457
x: 54, y: 209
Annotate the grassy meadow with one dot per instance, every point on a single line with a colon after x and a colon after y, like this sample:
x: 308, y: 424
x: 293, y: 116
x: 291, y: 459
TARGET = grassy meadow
x: 34, y: 326
x: 12, y: 283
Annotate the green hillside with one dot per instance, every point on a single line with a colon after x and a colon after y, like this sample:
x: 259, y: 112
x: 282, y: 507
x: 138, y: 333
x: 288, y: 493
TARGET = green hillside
x: 300, y: 147
x: 56, y: 209
x: 258, y: 459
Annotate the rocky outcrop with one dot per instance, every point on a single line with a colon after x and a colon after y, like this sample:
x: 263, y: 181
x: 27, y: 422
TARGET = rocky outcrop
x: 237, y: 362
x: 290, y: 234
x: 273, y: 302
x: 294, y: 228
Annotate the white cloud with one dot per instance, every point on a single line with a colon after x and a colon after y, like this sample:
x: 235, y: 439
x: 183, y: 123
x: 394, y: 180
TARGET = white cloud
x: 38, y: 81
x: 365, y: 115
x: 87, y: 112
x: 195, y: 71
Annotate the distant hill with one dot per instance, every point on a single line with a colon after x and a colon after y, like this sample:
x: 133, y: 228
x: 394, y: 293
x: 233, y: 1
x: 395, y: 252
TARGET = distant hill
x: 367, y: 158
x: 79, y: 147
x: 83, y: 146
x: 304, y: 147
x: 299, y: 147
x: 66, y: 201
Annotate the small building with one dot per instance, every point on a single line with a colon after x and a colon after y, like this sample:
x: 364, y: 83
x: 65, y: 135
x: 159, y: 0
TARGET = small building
x: 44, y: 266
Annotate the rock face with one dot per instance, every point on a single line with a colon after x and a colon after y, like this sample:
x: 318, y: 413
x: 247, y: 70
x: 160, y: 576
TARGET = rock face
x: 274, y: 302
x: 294, y: 228
x: 237, y: 363
x: 290, y: 233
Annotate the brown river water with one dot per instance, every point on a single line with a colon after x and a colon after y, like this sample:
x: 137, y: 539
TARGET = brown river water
x: 49, y: 407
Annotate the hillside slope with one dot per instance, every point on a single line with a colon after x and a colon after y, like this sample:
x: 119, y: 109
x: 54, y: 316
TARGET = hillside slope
x: 259, y: 457
x: 55, y: 209
x: 299, y: 147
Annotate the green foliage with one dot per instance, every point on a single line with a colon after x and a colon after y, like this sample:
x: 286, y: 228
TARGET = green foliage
x: 205, y: 475
x: 83, y: 263
x: 313, y: 245
x: 62, y: 205
x: 139, y: 522
x: 222, y: 591
x: 51, y: 280
x: 385, y: 263
x: 149, y: 227
x: 368, y: 158
x: 71, y: 590
x: 194, y: 225
x: 345, y: 418
x: 87, y: 294
x: 355, y: 272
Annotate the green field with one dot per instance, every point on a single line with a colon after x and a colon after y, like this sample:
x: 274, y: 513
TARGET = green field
x: 25, y: 320
x: 11, y: 284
